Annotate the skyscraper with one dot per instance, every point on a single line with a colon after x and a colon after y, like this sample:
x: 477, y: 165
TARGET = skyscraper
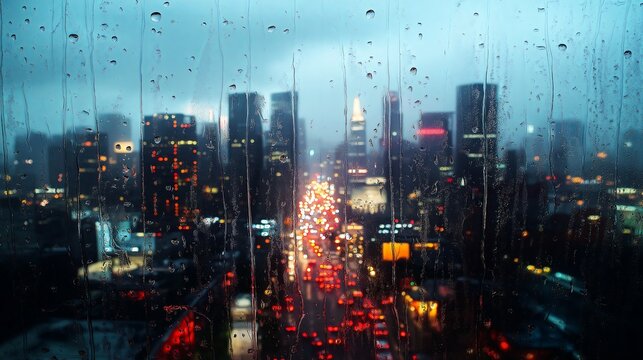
x: 434, y: 139
x: 284, y: 148
x: 392, y: 151
x: 170, y: 166
x: 357, y: 161
x: 476, y: 135
x: 245, y: 152
x: 568, y: 147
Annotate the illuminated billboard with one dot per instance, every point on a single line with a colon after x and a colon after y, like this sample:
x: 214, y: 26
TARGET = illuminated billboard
x: 395, y: 251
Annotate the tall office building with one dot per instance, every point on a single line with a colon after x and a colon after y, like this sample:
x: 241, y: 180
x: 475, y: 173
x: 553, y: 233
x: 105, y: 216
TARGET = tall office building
x: 170, y: 165
x: 434, y: 139
x: 356, y: 156
x: 392, y: 151
x: 245, y: 152
x: 210, y: 171
x: 476, y: 135
x: 568, y: 147
x: 119, y: 182
x: 30, y: 167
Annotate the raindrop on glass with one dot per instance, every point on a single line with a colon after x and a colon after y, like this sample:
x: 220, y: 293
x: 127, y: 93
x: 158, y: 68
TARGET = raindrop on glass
x: 414, y: 70
x: 370, y: 14
x: 112, y: 62
x: 475, y: 14
x: 166, y: 4
x: 13, y: 36
x: 627, y: 54
x: 232, y: 87
x: 420, y: 36
x: 271, y: 28
x: 157, y: 139
x: 562, y: 47
x: 73, y: 38
x: 155, y: 16
x: 283, y: 158
x: 369, y: 75
x: 42, y: 28
x: 27, y: 21
x: 114, y: 38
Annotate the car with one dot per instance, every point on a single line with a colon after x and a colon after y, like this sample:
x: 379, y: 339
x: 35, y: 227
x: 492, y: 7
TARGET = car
x: 376, y: 314
x: 380, y: 330
x: 317, y: 342
x: 324, y: 355
x: 383, y: 355
x: 382, y: 344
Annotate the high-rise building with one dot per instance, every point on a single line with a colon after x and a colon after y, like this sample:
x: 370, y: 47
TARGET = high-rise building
x: 434, y: 139
x: 170, y: 172
x: 568, y: 147
x: 476, y: 135
x: 284, y: 148
x: 30, y: 166
x: 356, y: 156
x: 245, y: 152
x: 392, y: 151
x: 119, y: 181
x: 210, y: 172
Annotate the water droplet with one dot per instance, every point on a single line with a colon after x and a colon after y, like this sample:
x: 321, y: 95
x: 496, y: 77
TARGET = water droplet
x: 114, y: 38
x: 420, y: 36
x: 112, y: 62
x: 42, y: 28
x: 24, y: 8
x: 117, y: 146
x: 283, y: 158
x: 232, y: 87
x: 474, y: 129
x: 157, y: 139
x: 562, y: 47
x: 13, y: 36
x: 410, y: 88
x: 370, y: 14
x: 627, y: 54
x: 128, y: 148
x: 271, y: 28
x: 166, y: 4
x: 204, y: 24
x: 541, y: 9
x: 286, y: 31
x: 27, y: 21
x: 369, y: 43
x: 475, y: 14
x: 414, y: 70
x: 369, y: 75
x: 104, y: 26
x: 73, y: 38
x: 155, y: 16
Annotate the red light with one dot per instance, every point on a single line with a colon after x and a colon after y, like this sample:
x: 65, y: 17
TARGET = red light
x: 402, y: 333
x: 430, y: 131
x: 291, y: 328
x: 504, y: 346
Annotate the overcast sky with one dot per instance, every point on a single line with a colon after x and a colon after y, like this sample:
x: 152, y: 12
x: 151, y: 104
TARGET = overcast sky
x: 551, y: 60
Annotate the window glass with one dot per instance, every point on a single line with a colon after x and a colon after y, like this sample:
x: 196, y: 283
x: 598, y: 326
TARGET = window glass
x: 320, y: 180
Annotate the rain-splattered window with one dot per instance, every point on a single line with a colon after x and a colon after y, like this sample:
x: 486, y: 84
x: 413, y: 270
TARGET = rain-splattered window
x: 321, y: 179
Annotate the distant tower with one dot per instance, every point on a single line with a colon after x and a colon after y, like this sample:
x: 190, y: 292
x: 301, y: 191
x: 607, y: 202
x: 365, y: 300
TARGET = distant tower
x: 392, y: 151
x: 434, y: 139
x: 170, y: 163
x: 476, y: 134
x: 357, y: 160
x: 245, y: 139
